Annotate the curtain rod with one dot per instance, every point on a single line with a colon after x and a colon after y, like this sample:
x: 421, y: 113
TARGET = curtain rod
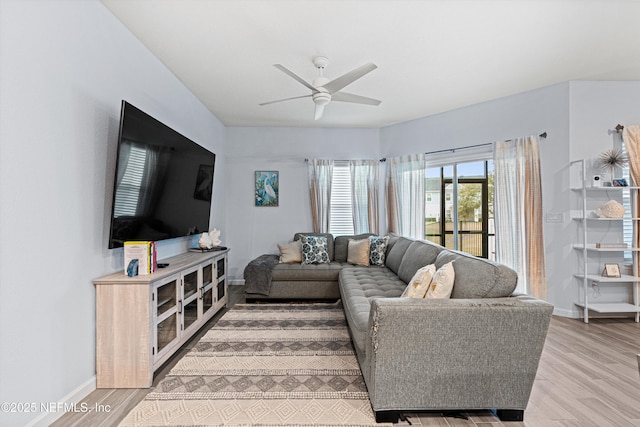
x: 453, y: 150
x: 381, y: 160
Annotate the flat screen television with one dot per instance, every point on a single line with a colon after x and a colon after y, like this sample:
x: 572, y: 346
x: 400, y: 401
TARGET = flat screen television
x: 163, y: 182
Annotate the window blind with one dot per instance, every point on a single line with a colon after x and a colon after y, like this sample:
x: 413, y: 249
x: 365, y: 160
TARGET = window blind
x: 341, y: 220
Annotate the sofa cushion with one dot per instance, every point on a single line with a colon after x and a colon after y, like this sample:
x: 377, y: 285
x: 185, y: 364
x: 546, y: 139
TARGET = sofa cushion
x: 477, y: 277
x: 341, y: 246
x: 377, y: 250
x: 358, y: 286
x: 307, y: 272
x: 314, y: 250
x: 396, y: 248
x: 418, y: 254
x: 329, y: 237
x: 441, y: 285
x: 358, y: 253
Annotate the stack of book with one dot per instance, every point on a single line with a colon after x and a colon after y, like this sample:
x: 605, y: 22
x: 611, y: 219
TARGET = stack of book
x: 145, y: 252
x: 611, y: 245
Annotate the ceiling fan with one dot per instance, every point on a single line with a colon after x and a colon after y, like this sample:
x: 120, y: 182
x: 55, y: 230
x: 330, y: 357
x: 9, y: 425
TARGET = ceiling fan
x: 323, y: 91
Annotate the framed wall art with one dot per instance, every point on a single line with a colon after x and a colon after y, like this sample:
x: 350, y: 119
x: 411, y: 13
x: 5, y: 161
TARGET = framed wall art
x: 267, y: 188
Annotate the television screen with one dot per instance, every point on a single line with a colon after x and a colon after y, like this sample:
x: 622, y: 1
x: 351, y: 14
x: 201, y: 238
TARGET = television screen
x: 163, y: 182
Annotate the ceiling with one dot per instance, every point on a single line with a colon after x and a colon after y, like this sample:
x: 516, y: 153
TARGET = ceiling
x: 432, y: 55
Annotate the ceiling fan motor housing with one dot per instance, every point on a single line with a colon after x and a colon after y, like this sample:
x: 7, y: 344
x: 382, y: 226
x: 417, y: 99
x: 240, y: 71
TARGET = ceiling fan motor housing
x: 321, y: 97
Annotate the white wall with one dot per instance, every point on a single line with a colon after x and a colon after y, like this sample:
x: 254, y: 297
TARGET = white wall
x: 252, y: 231
x: 66, y: 65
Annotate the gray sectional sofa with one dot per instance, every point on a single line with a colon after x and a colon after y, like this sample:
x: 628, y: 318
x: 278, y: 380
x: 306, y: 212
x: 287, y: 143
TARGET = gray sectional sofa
x: 479, y: 349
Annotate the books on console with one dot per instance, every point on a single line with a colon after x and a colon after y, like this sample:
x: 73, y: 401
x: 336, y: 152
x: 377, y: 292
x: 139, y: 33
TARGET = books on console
x: 145, y: 252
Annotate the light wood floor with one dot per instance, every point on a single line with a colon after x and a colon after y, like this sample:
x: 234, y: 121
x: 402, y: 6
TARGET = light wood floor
x: 589, y: 375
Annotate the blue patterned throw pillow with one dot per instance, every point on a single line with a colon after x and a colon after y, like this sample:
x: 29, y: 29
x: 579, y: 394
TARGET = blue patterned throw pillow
x: 377, y: 249
x: 314, y: 250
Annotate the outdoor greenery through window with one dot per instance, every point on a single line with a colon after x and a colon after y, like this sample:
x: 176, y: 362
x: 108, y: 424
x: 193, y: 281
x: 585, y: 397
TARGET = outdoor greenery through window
x: 459, y: 207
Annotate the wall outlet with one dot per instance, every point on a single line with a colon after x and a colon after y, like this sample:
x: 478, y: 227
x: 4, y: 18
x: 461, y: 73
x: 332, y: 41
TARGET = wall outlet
x: 554, y: 217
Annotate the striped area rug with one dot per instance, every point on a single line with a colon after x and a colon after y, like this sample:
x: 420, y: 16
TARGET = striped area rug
x: 264, y: 365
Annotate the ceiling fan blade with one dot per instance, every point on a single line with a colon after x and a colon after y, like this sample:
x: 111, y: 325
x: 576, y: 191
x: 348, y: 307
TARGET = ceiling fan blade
x: 349, y: 97
x: 336, y: 84
x: 295, y: 76
x: 319, y: 111
x: 286, y: 99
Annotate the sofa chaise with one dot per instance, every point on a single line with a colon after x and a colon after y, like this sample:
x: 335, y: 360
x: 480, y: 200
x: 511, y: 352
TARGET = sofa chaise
x: 478, y: 349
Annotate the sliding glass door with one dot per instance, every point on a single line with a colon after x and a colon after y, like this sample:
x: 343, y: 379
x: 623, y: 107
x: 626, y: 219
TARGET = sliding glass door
x: 459, y: 207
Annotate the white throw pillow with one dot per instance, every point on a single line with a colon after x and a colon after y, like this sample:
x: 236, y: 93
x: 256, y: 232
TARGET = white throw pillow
x: 291, y: 252
x: 442, y: 282
x: 420, y: 282
x: 358, y: 252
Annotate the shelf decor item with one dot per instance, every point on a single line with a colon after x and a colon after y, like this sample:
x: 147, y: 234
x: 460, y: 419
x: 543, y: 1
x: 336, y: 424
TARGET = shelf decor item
x: 611, y: 209
x: 611, y: 160
x: 611, y: 270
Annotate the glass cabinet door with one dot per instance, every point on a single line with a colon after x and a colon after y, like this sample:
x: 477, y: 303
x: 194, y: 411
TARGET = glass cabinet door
x: 207, y: 287
x: 221, y: 290
x: 190, y: 315
x: 221, y: 266
x: 190, y: 297
x: 166, y: 313
x: 207, y: 300
x: 190, y: 283
x: 167, y: 331
x: 166, y: 297
x: 207, y: 275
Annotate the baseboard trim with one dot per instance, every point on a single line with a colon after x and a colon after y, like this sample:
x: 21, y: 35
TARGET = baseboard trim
x: 75, y: 397
x: 236, y: 282
x: 566, y: 313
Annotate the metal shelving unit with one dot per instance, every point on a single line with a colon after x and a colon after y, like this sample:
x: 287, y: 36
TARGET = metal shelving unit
x: 588, y: 250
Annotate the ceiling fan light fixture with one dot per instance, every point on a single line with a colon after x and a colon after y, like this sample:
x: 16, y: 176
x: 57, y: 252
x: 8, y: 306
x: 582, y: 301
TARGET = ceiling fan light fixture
x: 321, y: 98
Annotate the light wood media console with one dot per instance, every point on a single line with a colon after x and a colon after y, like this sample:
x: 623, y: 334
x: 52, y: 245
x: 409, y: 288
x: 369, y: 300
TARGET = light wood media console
x: 141, y: 321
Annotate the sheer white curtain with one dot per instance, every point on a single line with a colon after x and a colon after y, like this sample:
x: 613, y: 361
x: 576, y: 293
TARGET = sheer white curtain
x: 405, y: 195
x: 518, y: 212
x: 364, y: 195
x: 320, y: 173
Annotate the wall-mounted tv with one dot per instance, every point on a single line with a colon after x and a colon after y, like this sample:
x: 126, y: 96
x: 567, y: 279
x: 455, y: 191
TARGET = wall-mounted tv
x: 163, y: 182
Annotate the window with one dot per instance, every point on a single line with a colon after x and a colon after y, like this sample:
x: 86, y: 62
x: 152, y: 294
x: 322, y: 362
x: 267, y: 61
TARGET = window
x: 465, y: 220
x: 627, y: 226
x: 341, y: 220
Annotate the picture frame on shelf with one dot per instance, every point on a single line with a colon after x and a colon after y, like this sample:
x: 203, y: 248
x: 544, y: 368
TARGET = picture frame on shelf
x: 620, y: 182
x: 611, y: 270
